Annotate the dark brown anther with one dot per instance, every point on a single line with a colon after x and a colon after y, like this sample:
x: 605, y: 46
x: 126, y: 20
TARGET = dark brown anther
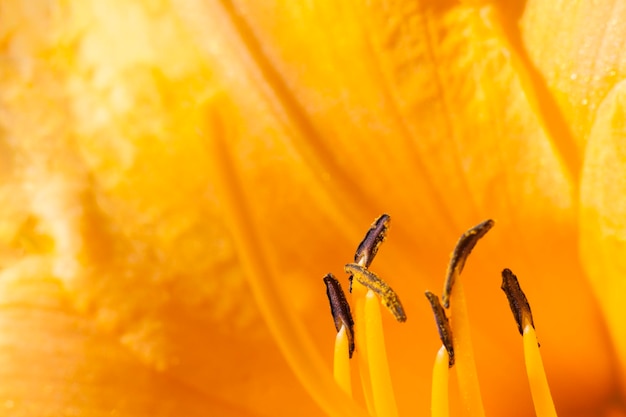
x: 368, y: 247
x: 517, y: 301
x: 462, y: 250
x: 340, y: 309
x: 443, y: 326
x: 371, y: 281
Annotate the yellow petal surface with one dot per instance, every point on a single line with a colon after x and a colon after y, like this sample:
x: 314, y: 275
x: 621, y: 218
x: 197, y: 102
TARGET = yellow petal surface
x: 55, y: 362
x: 603, y: 208
x: 578, y: 48
x: 103, y: 171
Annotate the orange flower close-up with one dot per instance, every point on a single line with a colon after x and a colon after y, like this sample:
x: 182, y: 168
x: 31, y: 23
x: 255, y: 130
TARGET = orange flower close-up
x: 178, y: 177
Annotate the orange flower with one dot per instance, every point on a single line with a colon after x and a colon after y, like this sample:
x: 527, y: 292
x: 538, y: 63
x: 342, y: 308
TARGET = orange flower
x: 157, y: 154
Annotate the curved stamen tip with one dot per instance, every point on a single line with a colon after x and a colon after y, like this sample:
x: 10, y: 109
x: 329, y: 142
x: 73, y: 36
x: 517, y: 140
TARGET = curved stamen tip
x: 463, y: 248
x: 376, y: 235
x: 443, y: 326
x: 373, y: 282
x: 517, y: 300
x: 340, y: 309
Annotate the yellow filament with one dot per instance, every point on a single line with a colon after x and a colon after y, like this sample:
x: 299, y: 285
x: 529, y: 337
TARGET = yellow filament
x: 542, y: 399
x: 382, y: 390
x: 464, y: 353
x: 341, y: 364
x: 358, y: 297
x: 439, y: 396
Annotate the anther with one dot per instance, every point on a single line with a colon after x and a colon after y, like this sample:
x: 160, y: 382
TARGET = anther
x: 443, y: 326
x: 387, y: 295
x: 517, y: 301
x: 461, y: 251
x: 340, y: 309
x: 368, y: 247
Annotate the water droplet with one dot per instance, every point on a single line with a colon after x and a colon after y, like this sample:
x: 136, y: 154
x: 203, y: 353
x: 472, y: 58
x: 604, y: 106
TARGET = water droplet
x: 573, y: 76
x: 584, y: 102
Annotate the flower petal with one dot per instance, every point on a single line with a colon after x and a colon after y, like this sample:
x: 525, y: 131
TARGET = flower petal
x: 603, y: 210
x: 109, y: 180
x: 578, y: 47
x: 426, y: 112
x: 54, y: 362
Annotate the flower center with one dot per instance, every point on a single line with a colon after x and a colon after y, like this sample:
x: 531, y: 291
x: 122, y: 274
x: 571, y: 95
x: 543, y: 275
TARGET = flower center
x: 365, y: 331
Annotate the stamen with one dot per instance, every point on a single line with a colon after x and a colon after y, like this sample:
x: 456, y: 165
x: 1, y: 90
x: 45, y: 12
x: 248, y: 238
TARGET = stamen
x: 462, y: 250
x: 439, y: 395
x: 539, y: 388
x: 376, y: 235
x: 461, y: 335
x: 443, y: 327
x: 382, y: 390
x: 340, y: 309
x: 443, y: 361
x: 341, y: 363
x: 369, y: 356
x: 388, y: 296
